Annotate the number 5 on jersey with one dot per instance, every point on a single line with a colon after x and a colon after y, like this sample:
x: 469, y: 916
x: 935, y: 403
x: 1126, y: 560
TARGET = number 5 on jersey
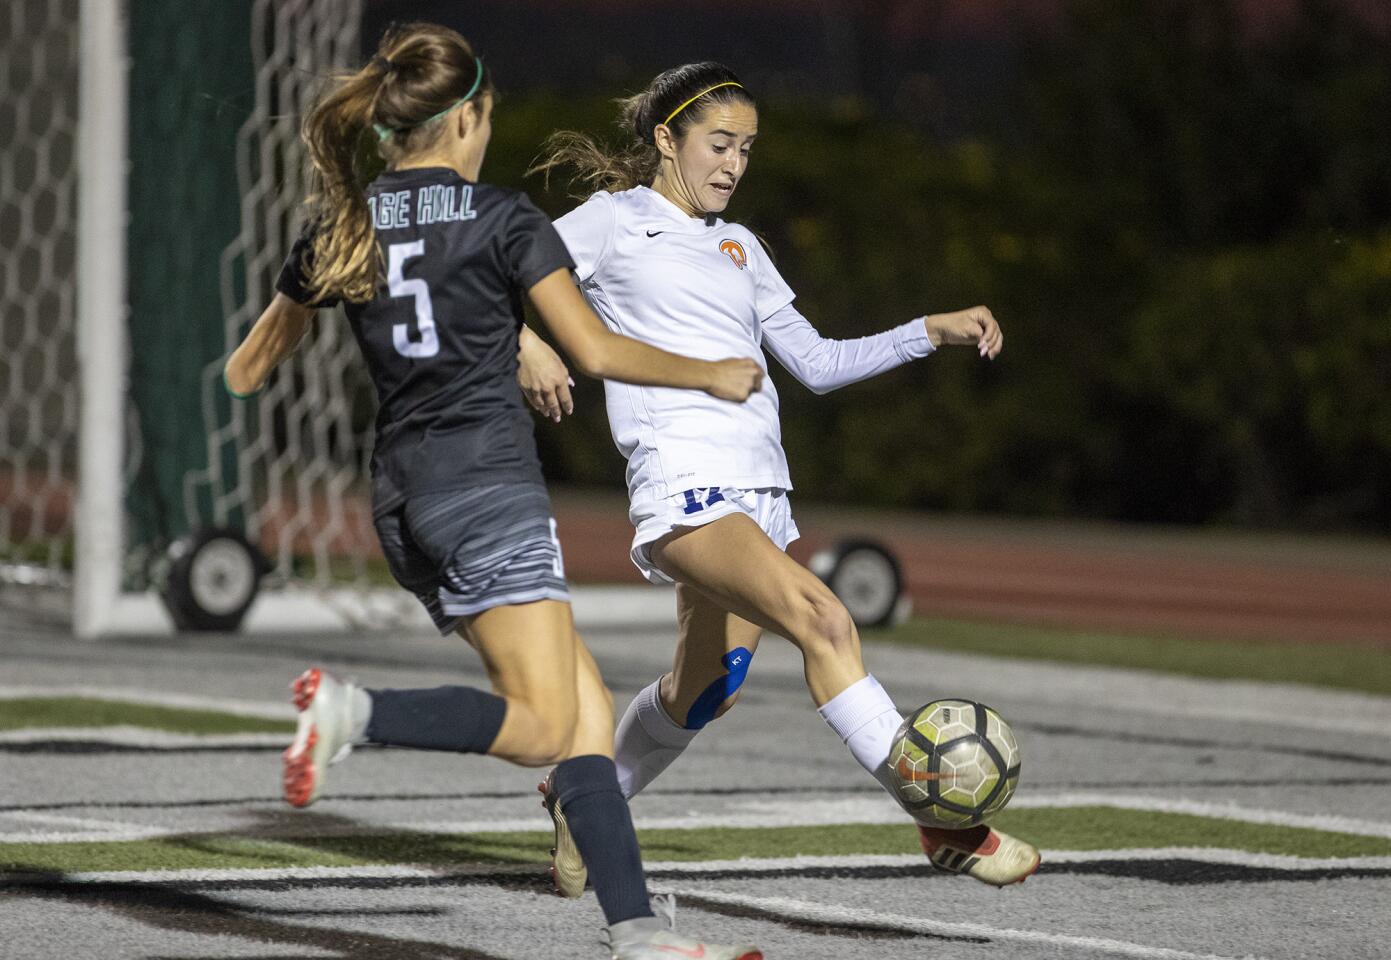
x: 429, y: 343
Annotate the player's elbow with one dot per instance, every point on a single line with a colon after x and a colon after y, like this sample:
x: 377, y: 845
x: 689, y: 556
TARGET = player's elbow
x: 818, y: 380
x: 817, y: 369
x: 590, y: 363
x: 237, y: 378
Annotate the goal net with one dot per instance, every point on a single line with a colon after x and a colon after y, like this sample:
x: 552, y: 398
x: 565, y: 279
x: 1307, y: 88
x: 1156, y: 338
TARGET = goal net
x: 99, y: 476
x: 39, y: 44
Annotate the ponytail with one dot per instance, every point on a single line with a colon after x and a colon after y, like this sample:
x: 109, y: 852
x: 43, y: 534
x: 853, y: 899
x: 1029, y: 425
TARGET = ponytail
x: 346, y: 262
x: 420, y: 73
x: 674, y: 98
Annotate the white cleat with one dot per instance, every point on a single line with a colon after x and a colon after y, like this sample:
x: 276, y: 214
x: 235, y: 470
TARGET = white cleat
x: 324, y: 735
x: 655, y: 938
x: 982, y: 852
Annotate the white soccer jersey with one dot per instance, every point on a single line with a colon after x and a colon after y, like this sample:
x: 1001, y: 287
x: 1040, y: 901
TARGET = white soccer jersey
x: 705, y: 288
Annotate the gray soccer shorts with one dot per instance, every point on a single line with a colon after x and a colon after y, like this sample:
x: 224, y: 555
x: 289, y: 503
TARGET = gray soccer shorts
x: 466, y: 551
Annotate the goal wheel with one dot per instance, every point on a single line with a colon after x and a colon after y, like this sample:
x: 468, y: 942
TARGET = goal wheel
x: 866, y: 577
x: 211, y: 579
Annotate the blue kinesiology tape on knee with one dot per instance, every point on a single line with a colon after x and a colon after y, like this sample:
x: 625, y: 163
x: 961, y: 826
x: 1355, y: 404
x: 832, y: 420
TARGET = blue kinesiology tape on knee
x: 703, y: 710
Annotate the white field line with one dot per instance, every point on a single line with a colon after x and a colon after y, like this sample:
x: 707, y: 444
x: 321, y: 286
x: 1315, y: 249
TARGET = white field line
x: 1358, y: 725
x: 110, y: 829
x: 835, y: 914
x: 868, y: 809
x: 142, y: 737
x: 749, y: 864
x: 117, y: 834
x: 263, y: 709
x: 1198, y: 808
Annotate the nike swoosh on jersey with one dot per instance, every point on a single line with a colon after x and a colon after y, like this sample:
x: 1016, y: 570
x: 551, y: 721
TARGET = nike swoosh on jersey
x: 655, y: 233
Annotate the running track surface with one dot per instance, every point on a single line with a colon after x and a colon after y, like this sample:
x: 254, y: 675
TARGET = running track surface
x: 1189, y: 582
x: 1096, y: 576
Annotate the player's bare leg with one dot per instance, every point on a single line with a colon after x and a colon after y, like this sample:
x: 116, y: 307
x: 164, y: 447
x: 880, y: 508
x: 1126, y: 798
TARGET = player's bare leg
x: 707, y: 634
x: 530, y: 653
x: 530, y: 718
x: 595, y: 819
x: 713, y: 654
x: 732, y: 563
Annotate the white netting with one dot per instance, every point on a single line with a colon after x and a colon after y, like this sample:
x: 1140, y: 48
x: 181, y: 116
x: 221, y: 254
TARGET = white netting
x: 291, y: 465
x: 38, y: 381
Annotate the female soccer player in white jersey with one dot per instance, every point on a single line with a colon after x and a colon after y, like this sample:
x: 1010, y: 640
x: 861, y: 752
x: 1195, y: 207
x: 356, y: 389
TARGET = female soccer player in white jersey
x: 431, y: 265
x: 708, y: 482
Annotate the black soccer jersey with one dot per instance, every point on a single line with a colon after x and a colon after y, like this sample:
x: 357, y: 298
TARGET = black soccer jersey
x: 440, y: 337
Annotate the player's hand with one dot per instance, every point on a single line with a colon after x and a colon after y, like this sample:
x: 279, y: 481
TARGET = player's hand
x: 964, y: 327
x: 544, y: 380
x: 734, y: 379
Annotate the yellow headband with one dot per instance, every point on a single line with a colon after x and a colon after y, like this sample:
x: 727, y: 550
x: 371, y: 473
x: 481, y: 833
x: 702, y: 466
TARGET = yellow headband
x: 727, y: 83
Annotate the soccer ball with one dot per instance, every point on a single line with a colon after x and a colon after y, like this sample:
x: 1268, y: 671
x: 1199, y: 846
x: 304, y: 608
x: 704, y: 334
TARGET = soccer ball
x: 954, y: 763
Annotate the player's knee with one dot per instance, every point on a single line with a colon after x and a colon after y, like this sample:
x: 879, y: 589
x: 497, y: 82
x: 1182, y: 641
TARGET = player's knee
x: 826, y: 626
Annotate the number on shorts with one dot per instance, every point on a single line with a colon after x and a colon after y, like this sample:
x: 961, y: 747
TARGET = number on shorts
x: 558, y: 568
x: 429, y: 343
x: 701, y: 497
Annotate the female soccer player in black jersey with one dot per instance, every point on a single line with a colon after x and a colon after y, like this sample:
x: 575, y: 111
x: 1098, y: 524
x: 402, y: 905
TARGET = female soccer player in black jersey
x: 431, y: 265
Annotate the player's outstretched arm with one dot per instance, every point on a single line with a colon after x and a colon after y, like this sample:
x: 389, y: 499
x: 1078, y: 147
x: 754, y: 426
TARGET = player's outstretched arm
x: 823, y: 364
x: 598, y: 352
x: 542, y: 375
x: 274, y: 337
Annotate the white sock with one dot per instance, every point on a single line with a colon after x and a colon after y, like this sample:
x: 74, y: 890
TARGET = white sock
x: 647, y: 741
x: 865, y: 719
x: 360, y: 708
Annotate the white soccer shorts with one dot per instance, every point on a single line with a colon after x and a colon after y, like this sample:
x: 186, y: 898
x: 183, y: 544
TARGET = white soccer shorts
x: 654, y: 518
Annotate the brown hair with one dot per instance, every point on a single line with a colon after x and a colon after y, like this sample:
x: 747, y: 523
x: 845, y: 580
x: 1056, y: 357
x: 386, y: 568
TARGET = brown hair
x: 420, y: 70
x: 675, y: 97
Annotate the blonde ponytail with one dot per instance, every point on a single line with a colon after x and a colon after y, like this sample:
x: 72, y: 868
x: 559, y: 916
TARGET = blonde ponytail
x: 347, y: 262
x: 420, y: 71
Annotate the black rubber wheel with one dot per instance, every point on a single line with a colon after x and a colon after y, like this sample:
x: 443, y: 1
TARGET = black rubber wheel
x: 865, y: 576
x: 212, y: 580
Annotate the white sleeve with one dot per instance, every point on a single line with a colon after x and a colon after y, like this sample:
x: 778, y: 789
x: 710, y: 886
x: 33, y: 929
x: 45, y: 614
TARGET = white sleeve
x: 588, y: 233
x: 771, y: 292
x: 823, y: 365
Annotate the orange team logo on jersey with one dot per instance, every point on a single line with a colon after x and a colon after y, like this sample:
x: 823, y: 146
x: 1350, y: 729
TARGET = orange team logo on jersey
x: 735, y: 251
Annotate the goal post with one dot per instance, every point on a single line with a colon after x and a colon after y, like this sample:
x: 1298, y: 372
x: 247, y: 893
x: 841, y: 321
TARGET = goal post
x: 102, y: 349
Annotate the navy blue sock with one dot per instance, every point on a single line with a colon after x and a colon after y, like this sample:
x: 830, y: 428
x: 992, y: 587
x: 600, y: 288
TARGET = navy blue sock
x: 458, y: 719
x: 587, y: 788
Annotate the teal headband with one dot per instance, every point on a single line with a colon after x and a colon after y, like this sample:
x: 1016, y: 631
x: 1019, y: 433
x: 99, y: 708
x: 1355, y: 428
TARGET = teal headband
x: 384, y: 132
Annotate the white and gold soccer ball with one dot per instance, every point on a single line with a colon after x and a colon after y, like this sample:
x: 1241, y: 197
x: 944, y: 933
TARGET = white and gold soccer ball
x: 955, y: 763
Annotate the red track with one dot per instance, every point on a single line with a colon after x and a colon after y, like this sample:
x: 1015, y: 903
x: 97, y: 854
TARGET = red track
x: 1106, y: 577
x: 1143, y: 580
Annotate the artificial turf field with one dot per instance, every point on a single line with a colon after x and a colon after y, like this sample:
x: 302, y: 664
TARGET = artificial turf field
x: 1180, y: 816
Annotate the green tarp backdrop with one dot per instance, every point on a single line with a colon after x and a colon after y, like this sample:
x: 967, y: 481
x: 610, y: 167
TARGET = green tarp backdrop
x: 190, y: 92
